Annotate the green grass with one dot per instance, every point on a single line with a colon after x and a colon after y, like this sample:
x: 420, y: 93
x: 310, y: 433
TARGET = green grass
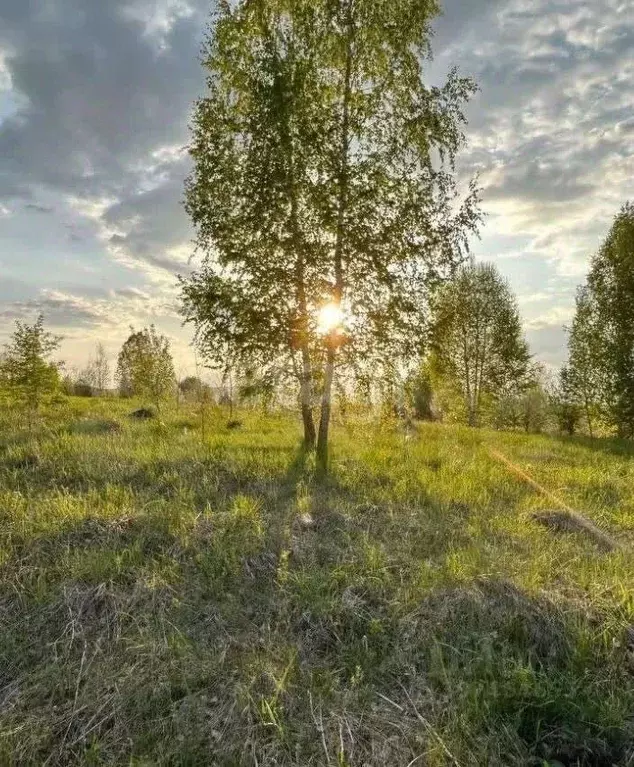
x: 169, y: 602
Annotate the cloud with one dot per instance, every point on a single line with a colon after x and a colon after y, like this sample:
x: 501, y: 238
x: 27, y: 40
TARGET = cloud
x: 97, y: 94
x: 106, y: 310
x: 551, y: 127
x: 61, y: 310
x: 550, y: 340
x: 149, y: 228
x: 556, y: 317
x: 133, y: 293
x: 5, y: 74
x: 157, y: 17
x: 38, y: 208
x: 104, y: 93
x: 551, y: 133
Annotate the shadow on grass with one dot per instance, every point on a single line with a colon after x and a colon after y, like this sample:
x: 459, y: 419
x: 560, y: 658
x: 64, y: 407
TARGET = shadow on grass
x: 503, y: 677
x: 543, y: 674
x: 611, y: 445
x: 185, y: 516
x: 96, y: 427
x: 500, y: 676
x: 320, y: 521
x: 206, y: 478
x: 21, y: 438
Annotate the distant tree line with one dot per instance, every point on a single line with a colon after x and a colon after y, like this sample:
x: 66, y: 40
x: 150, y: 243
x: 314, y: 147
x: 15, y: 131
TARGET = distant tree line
x: 30, y: 378
x: 475, y: 368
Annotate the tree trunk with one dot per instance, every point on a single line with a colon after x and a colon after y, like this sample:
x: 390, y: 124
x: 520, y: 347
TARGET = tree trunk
x: 588, y: 417
x: 326, y: 409
x: 343, y: 184
x: 297, y: 252
x: 469, y: 396
x: 310, y: 436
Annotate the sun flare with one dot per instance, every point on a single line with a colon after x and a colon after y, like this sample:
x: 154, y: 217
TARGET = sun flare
x: 330, y: 318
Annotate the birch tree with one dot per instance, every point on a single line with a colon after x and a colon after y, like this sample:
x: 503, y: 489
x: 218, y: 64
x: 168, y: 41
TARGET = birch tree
x: 145, y: 367
x: 97, y: 374
x: 586, y: 372
x: 323, y: 192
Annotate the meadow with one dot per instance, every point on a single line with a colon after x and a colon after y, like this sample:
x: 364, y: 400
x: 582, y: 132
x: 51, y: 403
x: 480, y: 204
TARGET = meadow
x: 169, y: 597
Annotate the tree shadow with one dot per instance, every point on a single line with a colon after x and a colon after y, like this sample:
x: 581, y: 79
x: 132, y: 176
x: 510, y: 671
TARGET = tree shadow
x: 164, y: 480
x: 548, y: 672
x: 525, y: 676
x: 319, y: 519
x: 26, y: 437
x: 206, y: 478
x: 611, y: 445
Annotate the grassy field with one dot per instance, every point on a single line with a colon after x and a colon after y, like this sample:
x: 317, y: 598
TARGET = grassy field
x: 165, y: 601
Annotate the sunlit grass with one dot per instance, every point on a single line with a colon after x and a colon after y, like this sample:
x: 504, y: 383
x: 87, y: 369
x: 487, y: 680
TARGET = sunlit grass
x: 169, y: 601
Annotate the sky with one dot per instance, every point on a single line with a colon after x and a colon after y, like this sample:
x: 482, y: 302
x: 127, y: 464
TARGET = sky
x: 95, y: 98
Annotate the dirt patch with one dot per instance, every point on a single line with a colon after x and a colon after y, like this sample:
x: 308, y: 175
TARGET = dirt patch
x: 143, y: 414
x: 565, y: 522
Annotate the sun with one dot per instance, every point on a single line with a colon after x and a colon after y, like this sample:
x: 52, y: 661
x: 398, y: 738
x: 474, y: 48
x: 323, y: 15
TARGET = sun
x: 330, y: 318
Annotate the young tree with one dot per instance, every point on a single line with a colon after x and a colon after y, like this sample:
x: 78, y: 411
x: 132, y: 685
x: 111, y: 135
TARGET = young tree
x: 584, y: 378
x: 534, y: 408
x: 190, y: 386
x: 602, y: 336
x: 80, y: 385
x: 26, y: 370
x: 145, y: 367
x: 477, y: 337
x: 323, y: 191
x: 98, y: 371
x: 508, y: 411
x: 194, y: 389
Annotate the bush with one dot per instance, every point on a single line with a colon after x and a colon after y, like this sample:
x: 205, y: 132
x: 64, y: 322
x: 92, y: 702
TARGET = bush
x: 568, y: 417
x: 82, y: 389
x: 421, y: 396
